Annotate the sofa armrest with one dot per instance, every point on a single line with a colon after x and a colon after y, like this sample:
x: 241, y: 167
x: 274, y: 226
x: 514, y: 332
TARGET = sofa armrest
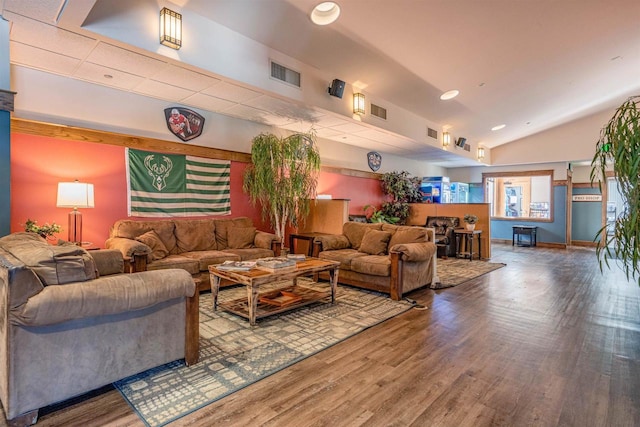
x: 412, y: 252
x: 108, y: 261
x: 264, y: 240
x: 332, y: 242
x: 103, y: 296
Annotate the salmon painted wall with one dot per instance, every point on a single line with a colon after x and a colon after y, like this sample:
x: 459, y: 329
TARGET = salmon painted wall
x: 39, y: 163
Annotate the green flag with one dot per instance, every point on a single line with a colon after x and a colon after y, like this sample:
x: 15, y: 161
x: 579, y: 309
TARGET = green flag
x: 176, y: 185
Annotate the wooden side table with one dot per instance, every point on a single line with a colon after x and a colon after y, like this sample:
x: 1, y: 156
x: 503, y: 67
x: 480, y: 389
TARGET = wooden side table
x: 466, y: 238
x: 306, y: 237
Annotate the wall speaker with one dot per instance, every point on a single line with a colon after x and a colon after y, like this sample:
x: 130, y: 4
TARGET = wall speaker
x: 461, y: 141
x: 337, y: 88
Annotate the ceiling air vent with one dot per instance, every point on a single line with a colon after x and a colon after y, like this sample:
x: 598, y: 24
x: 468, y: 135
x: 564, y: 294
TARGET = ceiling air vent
x: 378, y: 111
x: 432, y: 133
x: 284, y: 74
x: 466, y: 147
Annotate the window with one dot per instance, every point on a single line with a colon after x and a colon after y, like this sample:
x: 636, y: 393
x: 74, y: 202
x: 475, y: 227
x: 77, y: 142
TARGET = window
x: 519, y: 195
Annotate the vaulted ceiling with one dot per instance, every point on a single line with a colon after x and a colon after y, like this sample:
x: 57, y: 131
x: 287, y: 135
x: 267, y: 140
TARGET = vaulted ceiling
x: 530, y: 64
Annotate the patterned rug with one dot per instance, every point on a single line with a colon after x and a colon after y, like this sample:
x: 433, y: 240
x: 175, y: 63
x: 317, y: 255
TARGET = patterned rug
x: 233, y: 355
x: 454, y: 271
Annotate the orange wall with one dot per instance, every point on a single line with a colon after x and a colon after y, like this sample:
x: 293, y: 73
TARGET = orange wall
x: 39, y: 163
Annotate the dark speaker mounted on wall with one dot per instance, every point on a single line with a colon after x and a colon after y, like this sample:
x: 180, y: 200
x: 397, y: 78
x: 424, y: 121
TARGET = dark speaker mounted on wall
x: 336, y: 88
x: 461, y: 142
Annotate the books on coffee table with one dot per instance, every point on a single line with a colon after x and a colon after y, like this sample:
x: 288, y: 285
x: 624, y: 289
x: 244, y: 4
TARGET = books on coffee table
x: 276, y: 264
x: 236, y: 265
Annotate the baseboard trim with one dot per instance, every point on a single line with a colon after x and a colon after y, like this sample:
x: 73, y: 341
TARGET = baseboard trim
x: 538, y: 243
x: 586, y: 243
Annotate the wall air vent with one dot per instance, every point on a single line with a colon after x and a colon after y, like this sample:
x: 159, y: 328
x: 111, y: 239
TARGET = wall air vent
x: 378, y: 111
x: 466, y: 147
x: 284, y: 74
x: 432, y: 133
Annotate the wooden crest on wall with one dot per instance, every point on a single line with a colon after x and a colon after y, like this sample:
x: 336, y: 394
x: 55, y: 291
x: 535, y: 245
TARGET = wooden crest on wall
x: 184, y: 123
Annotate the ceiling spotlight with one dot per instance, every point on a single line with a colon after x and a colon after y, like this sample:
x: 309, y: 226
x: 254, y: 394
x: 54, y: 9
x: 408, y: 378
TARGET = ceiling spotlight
x: 325, y: 13
x: 502, y: 126
x: 450, y: 94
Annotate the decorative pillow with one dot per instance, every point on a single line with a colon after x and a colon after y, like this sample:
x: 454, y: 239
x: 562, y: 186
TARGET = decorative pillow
x: 408, y: 235
x: 151, y: 239
x: 195, y: 235
x: 333, y: 242
x: 241, y: 237
x: 375, y: 242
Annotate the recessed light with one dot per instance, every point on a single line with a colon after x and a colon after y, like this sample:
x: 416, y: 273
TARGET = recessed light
x: 450, y: 94
x: 325, y: 13
x: 498, y: 127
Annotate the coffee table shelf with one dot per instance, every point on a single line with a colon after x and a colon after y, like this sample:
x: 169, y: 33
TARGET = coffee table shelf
x: 240, y: 306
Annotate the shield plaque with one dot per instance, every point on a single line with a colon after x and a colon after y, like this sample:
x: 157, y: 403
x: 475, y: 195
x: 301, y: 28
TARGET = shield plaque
x: 184, y: 123
x: 375, y: 160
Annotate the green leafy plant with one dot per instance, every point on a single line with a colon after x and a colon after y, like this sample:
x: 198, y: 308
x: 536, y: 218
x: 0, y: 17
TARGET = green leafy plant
x: 403, y: 190
x: 619, y: 147
x: 470, y: 218
x: 282, y: 177
x: 46, y: 231
x: 375, y: 215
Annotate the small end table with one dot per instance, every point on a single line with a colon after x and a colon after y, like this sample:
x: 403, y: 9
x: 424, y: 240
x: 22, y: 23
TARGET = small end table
x: 524, y: 230
x: 468, y: 237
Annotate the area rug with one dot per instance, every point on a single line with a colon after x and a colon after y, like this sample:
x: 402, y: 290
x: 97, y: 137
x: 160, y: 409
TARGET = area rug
x: 234, y: 355
x: 455, y: 271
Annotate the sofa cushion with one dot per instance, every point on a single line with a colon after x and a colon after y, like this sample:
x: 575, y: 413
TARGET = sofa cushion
x: 132, y: 229
x: 241, y: 237
x: 207, y: 258
x: 195, y: 235
x: 355, y: 231
x: 408, y: 235
x: 54, y: 265
x: 251, y: 253
x: 375, y: 242
x: 221, y: 229
x: 175, y: 261
x: 151, y: 239
x: 375, y: 265
x: 343, y: 256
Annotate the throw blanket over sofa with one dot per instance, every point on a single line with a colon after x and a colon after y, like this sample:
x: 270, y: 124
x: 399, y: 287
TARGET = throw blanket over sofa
x: 71, y: 321
x: 189, y: 244
x: 382, y: 257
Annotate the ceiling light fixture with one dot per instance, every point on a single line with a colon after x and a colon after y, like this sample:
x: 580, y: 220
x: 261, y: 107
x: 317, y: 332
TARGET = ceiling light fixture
x: 446, y: 139
x: 450, y: 94
x: 502, y: 126
x: 358, y: 103
x: 480, y: 153
x: 325, y: 13
x: 170, y: 28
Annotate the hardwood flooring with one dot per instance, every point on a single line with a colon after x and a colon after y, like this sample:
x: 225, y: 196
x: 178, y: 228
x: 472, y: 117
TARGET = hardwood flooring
x: 545, y: 341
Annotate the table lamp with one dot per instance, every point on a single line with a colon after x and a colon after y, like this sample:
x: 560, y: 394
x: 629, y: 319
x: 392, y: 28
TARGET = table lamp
x: 75, y: 195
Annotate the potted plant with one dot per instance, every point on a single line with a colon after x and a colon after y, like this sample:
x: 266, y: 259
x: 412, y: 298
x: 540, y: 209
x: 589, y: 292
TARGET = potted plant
x: 45, y: 231
x: 470, y: 221
x: 403, y: 190
x: 283, y: 176
x: 619, y: 147
x: 375, y: 215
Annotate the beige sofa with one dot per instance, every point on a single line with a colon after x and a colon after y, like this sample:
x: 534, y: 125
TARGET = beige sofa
x: 382, y: 257
x: 71, y: 322
x: 190, y: 244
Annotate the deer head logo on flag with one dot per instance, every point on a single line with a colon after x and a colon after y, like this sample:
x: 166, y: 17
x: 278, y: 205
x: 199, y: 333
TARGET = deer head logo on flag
x: 158, y: 170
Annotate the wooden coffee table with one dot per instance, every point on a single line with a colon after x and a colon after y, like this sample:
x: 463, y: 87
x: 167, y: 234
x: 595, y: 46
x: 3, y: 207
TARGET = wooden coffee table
x: 293, y: 297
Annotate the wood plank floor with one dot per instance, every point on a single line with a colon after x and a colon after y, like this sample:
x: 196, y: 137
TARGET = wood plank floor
x: 546, y: 341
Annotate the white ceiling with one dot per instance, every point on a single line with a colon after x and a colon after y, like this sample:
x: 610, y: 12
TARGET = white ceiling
x: 530, y: 64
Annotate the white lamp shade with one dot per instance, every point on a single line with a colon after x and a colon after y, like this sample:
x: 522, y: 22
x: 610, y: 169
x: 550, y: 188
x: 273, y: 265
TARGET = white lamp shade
x: 75, y: 195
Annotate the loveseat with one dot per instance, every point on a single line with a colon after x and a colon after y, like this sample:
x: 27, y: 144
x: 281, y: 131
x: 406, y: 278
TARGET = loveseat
x: 445, y: 237
x: 190, y: 244
x: 71, y: 321
x: 383, y: 257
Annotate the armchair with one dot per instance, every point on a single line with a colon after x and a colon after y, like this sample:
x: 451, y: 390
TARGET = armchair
x: 445, y: 239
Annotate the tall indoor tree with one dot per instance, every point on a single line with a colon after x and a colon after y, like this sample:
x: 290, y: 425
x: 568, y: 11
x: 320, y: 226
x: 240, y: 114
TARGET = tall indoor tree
x: 619, y: 149
x: 282, y: 177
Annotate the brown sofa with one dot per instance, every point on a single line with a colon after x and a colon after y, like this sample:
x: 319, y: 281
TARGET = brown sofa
x: 71, y: 322
x: 190, y: 244
x: 382, y: 257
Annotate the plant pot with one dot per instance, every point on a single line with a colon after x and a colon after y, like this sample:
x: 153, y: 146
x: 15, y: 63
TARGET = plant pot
x: 471, y: 227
